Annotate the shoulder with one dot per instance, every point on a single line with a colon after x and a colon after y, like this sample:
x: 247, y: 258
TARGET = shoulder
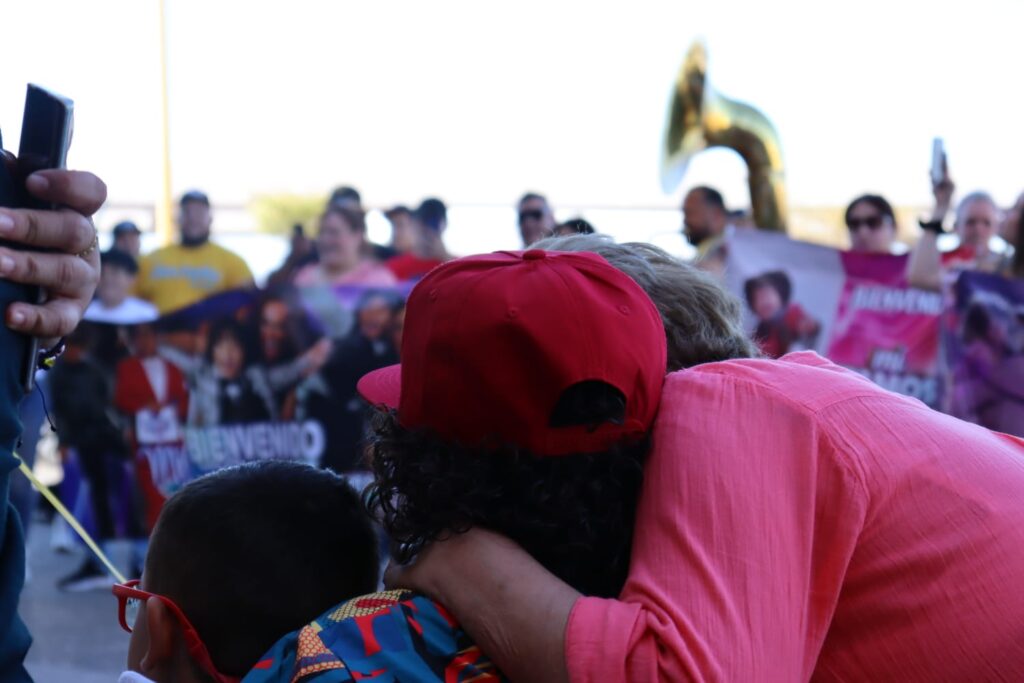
x: 140, y: 310
x: 143, y: 306
x: 308, y: 275
x: 804, y: 381
x: 223, y: 253
x: 129, y: 365
x: 391, y: 631
x: 373, y: 273
x: 171, y: 251
x: 959, y: 257
x: 98, y: 313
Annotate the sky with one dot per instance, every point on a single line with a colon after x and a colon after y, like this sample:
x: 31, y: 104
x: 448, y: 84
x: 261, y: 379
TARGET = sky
x: 478, y: 102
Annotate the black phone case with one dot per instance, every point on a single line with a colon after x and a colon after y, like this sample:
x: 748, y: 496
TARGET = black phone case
x: 12, y: 196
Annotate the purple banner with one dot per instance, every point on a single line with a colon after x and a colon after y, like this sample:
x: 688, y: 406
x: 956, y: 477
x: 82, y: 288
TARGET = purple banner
x: 983, y: 332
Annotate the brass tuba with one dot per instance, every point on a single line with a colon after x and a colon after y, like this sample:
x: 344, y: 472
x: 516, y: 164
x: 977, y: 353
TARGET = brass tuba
x: 700, y: 118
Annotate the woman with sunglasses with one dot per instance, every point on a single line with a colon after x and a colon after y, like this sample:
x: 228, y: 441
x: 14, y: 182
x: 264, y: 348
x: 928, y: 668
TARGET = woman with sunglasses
x: 872, y: 224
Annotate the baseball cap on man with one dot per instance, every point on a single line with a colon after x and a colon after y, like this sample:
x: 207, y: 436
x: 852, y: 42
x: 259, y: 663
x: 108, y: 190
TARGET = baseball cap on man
x: 115, y: 258
x: 194, y: 196
x: 126, y: 227
x: 491, y: 343
x: 432, y: 213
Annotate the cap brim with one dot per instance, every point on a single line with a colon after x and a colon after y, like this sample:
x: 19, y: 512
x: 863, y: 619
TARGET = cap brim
x: 382, y: 388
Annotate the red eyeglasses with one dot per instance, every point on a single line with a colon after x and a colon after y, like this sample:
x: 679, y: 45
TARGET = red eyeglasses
x: 129, y: 598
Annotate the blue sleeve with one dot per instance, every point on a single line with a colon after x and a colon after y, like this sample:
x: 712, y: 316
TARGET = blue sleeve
x: 14, y: 636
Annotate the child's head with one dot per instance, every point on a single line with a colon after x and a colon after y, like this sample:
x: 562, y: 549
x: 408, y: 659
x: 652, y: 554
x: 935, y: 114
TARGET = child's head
x: 249, y: 553
x: 226, y: 349
x: 768, y: 293
x: 117, y: 277
x: 145, y: 342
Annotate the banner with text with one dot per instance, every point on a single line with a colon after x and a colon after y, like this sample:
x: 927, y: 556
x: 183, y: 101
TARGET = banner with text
x: 242, y: 376
x: 854, y: 309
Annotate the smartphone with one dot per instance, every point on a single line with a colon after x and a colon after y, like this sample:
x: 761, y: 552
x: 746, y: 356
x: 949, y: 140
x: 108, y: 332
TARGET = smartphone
x: 46, y: 129
x: 938, y: 161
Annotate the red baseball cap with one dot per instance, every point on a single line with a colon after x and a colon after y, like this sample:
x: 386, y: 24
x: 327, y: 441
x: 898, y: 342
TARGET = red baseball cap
x: 491, y: 342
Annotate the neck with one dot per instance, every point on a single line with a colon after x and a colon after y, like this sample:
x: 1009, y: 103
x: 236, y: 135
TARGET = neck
x: 979, y: 247
x: 434, y: 248
x: 113, y: 303
x: 341, y: 267
x: 194, y: 242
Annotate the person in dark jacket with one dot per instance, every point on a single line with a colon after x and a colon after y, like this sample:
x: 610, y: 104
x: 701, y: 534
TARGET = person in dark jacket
x: 68, y: 271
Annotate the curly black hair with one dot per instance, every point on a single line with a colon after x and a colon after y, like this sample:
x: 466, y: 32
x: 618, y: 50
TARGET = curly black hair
x: 573, y: 513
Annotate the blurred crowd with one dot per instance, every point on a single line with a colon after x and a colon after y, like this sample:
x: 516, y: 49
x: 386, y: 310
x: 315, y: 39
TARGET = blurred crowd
x: 181, y: 338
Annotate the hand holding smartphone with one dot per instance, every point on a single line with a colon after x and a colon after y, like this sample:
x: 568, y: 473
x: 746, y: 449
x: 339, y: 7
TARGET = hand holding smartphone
x: 938, y: 161
x: 46, y: 130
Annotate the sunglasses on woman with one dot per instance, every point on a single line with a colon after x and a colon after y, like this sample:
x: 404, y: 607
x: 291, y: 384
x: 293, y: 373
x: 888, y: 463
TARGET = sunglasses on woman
x: 130, y: 598
x: 871, y: 222
x: 530, y: 215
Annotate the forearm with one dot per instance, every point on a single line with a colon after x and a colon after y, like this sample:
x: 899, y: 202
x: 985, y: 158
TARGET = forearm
x: 512, y: 607
x: 924, y: 267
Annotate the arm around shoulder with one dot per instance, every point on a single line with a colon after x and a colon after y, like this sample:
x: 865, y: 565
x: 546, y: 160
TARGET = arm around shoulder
x: 513, y: 608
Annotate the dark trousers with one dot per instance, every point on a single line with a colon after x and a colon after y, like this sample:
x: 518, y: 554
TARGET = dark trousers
x: 93, y: 460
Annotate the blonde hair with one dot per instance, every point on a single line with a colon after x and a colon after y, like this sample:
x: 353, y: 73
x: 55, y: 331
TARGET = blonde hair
x: 702, y: 320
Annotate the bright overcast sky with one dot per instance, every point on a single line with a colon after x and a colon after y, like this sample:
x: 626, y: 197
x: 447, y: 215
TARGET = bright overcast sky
x: 476, y: 102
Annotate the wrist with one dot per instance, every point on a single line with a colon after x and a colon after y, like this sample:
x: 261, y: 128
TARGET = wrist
x: 49, y: 354
x: 464, y: 567
x: 939, y: 212
x: 933, y: 226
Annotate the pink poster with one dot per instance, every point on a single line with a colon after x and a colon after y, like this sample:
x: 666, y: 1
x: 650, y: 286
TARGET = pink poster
x: 885, y: 330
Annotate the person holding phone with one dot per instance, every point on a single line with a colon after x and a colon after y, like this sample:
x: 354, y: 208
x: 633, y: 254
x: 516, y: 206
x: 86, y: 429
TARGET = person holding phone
x: 57, y: 253
x: 978, y: 219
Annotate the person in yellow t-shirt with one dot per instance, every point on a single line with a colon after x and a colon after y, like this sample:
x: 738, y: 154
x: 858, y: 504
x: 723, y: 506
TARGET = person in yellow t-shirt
x: 182, y: 274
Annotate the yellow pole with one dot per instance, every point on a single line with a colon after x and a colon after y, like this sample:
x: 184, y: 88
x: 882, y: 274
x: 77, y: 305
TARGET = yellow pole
x: 164, y: 219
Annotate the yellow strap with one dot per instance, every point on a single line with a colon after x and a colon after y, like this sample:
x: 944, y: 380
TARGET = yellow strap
x: 70, y: 519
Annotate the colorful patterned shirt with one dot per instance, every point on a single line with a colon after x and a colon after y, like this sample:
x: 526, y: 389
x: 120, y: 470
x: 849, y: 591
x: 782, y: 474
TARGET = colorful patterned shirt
x: 388, y: 637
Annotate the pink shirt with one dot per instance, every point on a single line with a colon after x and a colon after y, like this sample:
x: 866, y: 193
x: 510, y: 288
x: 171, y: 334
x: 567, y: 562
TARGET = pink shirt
x: 799, y: 523
x: 368, y: 273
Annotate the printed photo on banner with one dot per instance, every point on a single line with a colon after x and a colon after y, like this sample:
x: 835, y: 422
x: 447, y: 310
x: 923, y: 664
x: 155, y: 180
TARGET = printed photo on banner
x: 853, y: 308
x: 788, y: 308
x: 983, y: 333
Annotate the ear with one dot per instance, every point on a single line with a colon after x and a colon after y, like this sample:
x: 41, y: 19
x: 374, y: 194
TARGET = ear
x: 162, y: 627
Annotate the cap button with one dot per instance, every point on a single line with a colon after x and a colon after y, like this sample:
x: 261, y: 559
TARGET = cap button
x: 535, y: 255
